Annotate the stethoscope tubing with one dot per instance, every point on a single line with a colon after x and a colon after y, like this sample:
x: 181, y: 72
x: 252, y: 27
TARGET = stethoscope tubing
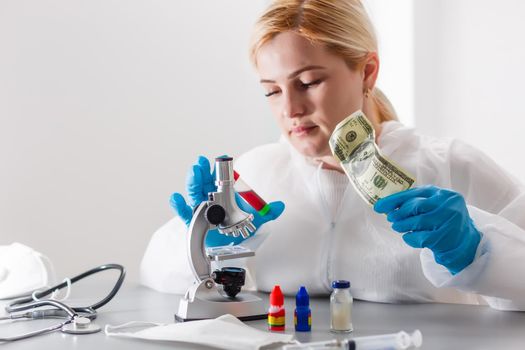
x: 35, y: 333
x: 60, y: 309
x: 17, y: 305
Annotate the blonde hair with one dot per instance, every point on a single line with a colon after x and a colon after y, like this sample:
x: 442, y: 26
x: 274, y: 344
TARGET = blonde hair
x: 343, y: 26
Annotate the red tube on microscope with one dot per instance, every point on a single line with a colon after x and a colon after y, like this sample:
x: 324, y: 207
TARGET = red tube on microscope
x: 249, y: 195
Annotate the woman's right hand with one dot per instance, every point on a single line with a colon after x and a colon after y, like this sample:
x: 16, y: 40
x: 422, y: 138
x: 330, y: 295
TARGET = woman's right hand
x: 199, y: 182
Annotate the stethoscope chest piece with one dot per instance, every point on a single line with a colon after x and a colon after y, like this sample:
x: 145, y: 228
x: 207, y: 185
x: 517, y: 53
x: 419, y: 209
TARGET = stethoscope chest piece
x: 80, y: 325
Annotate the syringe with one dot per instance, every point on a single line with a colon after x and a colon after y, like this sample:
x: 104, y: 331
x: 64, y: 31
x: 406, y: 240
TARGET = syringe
x: 395, y: 341
x: 249, y: 195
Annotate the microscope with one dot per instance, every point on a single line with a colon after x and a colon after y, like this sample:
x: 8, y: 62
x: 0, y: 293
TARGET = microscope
x: 215, y: 293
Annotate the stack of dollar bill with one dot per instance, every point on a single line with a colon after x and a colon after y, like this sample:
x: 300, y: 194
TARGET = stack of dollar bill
x: 372, y: 174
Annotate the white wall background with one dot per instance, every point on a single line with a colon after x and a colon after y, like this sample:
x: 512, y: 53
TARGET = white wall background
x: 104, y: 104
x: 394, y: 24
x: 469, y: 74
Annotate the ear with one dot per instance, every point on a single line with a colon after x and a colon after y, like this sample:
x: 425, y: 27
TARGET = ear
x: 370, y: 70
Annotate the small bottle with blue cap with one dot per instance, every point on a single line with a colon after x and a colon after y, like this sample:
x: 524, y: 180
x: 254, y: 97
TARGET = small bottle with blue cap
x: 341, y: 307
x: 302, y: 314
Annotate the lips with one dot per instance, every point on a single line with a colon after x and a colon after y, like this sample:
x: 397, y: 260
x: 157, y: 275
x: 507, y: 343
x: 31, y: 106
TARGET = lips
x: 301, y: 130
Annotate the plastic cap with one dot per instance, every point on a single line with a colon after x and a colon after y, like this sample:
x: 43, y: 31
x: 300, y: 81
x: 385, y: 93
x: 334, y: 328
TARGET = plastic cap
x: 302, y: 298
x: 276, y: 296
x: 341, y: 284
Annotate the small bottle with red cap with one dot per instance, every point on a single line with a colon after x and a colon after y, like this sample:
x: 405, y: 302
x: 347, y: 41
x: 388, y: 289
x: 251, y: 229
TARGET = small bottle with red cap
x: 276, y: 312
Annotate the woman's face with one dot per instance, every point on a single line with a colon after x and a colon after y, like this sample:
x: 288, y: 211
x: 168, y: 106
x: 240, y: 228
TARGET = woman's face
x: 310, y: 90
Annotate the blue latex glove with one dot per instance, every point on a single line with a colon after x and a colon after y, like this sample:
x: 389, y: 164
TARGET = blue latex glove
x: 434, y: 218
x: 199, y: 182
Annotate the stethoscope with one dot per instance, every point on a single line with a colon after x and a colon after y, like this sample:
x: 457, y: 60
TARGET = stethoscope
x: 78, y: 320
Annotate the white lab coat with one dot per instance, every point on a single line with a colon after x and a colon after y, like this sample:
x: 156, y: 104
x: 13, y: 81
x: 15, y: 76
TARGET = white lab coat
x: 328, y: 232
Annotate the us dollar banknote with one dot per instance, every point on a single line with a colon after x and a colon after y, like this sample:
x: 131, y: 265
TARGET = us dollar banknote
x: 373, y: 175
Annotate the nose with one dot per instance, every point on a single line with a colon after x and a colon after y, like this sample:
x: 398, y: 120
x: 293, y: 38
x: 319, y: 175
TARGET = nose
x: 293, y: 105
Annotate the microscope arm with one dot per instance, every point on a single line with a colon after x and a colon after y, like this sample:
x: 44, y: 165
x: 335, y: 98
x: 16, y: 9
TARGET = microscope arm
x: 220, y: 211
x: 199, y: 262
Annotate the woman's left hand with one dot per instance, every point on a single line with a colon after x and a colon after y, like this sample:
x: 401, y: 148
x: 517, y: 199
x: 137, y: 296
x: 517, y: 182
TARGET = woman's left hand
x: 434, y: 218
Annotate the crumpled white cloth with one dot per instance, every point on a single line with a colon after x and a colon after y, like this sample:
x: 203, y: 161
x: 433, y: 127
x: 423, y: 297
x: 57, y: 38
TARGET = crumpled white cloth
x: 224, y: 332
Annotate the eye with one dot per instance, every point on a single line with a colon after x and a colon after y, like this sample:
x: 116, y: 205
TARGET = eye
x: 271, y: 93
x: 310, y: 84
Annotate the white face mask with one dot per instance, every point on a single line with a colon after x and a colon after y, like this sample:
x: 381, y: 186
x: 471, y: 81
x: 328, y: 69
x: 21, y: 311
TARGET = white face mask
x: 22, y: 270
x: 224, y: 332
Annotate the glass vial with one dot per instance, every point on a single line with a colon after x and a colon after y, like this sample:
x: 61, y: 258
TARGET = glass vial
x: 341, y: 307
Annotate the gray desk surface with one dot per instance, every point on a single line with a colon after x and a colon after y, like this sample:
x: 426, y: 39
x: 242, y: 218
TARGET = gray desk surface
x: 444, y: 326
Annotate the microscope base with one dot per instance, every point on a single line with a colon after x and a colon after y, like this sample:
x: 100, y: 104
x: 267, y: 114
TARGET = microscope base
x: 203, y: 303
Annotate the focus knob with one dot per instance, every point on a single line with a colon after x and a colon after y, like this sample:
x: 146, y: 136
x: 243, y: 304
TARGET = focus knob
x: 215, y: 214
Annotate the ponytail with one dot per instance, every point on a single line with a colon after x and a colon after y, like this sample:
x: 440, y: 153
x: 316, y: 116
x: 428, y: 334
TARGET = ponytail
x: 384, y: 108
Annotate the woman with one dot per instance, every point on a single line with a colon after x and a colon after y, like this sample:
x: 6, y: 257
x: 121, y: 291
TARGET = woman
x: 457, y: 237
